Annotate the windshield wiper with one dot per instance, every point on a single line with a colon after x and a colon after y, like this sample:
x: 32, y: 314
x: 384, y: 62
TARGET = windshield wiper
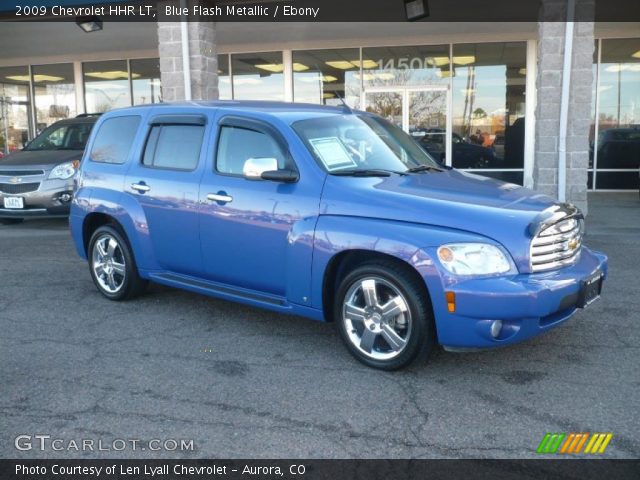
x: 367, y: 173
x: 425, y: 168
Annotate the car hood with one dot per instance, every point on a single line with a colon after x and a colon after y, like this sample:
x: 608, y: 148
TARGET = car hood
x: 451, y: 199
x: 43, y: 159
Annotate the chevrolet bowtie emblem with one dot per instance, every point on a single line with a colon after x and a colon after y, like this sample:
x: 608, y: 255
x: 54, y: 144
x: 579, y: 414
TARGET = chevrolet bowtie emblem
x: 15, y: 180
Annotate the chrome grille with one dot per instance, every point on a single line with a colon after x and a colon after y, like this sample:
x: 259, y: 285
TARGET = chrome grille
x: 14, y: 188
x: 20, y: 173
x: 557, y: 245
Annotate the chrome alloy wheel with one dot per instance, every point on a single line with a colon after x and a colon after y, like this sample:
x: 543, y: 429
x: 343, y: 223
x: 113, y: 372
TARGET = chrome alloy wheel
x: 108, y: 263
x: 376, y: 318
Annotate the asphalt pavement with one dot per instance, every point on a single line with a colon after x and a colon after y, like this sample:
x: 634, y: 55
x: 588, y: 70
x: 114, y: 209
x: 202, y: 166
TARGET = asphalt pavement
x: 245, y: 383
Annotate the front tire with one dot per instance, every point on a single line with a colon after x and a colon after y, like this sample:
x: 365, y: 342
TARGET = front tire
x: 384, y: 315
x: 112, y: 265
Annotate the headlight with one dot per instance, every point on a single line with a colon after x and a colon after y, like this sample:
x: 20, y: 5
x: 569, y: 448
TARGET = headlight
x: 473, y: 259
x: 64, y: 171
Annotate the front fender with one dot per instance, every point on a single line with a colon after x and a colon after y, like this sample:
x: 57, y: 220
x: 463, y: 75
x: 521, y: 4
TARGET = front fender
x: 402, y: 240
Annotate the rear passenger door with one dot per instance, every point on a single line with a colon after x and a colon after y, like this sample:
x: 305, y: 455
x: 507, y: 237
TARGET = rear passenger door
x: 165, y: 183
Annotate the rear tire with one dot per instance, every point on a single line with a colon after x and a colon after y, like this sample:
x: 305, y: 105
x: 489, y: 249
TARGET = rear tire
x: 112, y: 265
x: 11, y: 221
x: 384, y: 315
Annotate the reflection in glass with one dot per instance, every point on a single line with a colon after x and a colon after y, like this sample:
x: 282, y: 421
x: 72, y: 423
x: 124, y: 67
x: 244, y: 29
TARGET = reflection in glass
x: 224, y: 82
x: 258, y: 76
x: 145, y: 78
x: 106, y: 85
x: 14, y: 108
x: 386, y: 104
x: 55, y: 93
x: 489, y: 104
x: 592, y: 127
x: 405, y: 66
x: 325, y: 76
x: 618, y: 141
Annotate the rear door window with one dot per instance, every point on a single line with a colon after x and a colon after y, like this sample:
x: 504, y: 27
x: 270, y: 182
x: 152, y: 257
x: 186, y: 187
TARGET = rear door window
x: 175, y: 147
x: 114, y: 139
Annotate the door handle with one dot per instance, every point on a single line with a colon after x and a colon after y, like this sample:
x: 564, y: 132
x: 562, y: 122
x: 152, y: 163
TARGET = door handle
x: 219, y: 197
x: 140, y: 187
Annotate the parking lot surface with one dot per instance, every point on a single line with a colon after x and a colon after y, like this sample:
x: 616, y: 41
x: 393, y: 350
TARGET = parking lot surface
x: 242, y: 382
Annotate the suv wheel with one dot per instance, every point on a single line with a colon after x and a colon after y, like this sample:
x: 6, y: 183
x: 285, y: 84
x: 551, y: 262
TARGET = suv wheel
x: 112, y: 265
x: 384, y: 316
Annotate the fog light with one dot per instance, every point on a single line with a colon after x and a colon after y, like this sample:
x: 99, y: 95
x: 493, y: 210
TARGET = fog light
x: 496, y: 327
x: 65, y: 197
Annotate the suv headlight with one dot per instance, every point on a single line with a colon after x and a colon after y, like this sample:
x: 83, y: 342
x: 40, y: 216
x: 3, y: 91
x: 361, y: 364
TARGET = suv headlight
x: 473, y: 259
x: 64, y: 171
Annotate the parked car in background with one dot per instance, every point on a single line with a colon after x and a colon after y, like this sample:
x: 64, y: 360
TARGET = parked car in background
x: 465, y: 154
x: 37, y: 181
x: 618, y: 148
x: 328, y: 213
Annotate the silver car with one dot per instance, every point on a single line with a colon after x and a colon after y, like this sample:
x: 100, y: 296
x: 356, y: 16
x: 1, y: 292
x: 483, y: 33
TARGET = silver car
x: 38, y: 180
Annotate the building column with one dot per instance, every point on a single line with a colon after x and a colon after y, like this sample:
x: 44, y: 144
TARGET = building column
x: 551, y: 44
x: 202, y: 60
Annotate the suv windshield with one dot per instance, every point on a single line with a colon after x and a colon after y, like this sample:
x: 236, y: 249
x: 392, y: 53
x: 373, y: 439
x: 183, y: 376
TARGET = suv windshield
x: 68, y: 136
x: 361, y: 143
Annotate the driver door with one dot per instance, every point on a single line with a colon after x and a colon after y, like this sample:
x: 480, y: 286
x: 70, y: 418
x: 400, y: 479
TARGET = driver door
x: 245, y: 223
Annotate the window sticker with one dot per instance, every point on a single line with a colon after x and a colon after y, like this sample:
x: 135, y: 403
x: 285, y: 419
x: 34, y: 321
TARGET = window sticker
x: 333, y: 153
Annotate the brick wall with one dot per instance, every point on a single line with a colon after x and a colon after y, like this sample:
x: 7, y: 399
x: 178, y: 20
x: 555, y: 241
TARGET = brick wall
x: 203, y: 60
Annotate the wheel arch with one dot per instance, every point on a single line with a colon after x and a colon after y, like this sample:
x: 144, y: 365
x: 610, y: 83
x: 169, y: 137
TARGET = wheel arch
x: 92, y: 222
x: 345, y: 261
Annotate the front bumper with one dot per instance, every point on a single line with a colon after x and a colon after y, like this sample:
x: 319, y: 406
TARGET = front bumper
x: 45, y: 201
x: 527, y: 304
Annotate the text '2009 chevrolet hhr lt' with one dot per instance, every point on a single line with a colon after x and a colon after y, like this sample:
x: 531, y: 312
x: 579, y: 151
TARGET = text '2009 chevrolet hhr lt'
x: 328, y: 213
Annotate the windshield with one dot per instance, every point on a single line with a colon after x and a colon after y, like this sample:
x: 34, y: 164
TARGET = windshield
x: 361, y: 142
x: 70, y: 136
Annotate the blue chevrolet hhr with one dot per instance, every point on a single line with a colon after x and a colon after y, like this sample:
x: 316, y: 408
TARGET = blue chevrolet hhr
x: 328, y: 213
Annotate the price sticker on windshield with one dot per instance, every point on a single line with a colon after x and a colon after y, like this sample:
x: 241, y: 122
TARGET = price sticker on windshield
x: 333, y: 153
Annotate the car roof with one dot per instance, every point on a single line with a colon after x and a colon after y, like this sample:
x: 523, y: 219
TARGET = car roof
x: 83, y: 119
x: 287, y: 111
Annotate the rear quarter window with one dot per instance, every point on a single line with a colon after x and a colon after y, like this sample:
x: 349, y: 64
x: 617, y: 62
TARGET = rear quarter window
x: 114, y: 139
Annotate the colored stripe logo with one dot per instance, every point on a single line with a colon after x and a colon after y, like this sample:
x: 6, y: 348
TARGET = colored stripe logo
x: 573, y: 443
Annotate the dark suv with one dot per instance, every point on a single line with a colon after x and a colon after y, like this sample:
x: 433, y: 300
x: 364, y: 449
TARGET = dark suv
x: 38, y: 180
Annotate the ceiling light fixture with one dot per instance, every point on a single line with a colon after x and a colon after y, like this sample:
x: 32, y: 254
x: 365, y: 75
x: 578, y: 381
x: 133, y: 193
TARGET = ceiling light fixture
x: 89, y: 24
x: 416, y: 9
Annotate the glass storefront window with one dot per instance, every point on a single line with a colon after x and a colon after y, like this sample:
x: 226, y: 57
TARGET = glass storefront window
x: 258, y: 76
x: 405, y: 66
x: 489, y: 106
x: 224, y: 81
x: 145, y: 81
x: 14, y: 108
x: 55, y: 93
x: 325, y: 76
x: 618, y: 141
x: 106, y: 85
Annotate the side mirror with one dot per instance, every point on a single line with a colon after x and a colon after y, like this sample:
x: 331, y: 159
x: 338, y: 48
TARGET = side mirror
x: 283, y: 176
x: 254, y: 167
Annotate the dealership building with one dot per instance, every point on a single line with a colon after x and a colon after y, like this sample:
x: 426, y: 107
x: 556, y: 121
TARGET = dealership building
x: 550, y: 105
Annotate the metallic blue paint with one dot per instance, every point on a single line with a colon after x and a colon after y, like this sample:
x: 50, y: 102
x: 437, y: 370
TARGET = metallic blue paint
x: 271, y: 246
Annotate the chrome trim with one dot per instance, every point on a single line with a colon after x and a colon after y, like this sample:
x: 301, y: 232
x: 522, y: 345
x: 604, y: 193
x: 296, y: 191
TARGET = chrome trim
x: 215, y: 197
x: 558, y: 238
x: 139, y: 187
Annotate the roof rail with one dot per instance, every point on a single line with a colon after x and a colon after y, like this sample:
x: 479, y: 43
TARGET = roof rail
x: 85, y: 115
